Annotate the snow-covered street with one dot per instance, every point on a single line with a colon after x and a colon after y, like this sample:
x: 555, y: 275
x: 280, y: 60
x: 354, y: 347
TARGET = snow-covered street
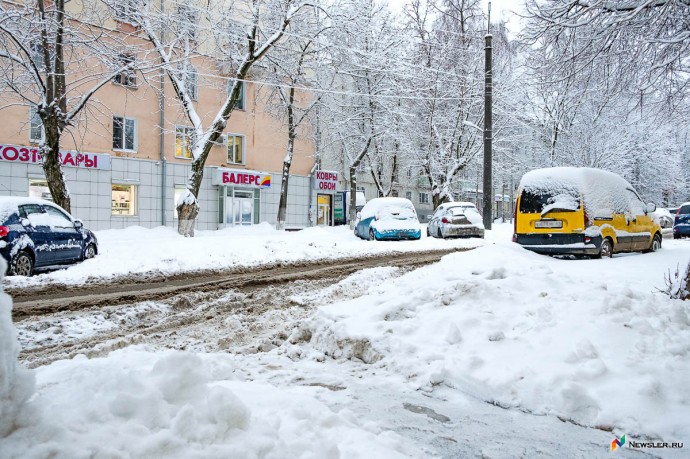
x: 492, y: 352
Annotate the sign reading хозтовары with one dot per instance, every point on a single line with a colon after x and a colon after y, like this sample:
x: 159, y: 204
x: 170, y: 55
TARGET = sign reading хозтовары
x: 31, y: 155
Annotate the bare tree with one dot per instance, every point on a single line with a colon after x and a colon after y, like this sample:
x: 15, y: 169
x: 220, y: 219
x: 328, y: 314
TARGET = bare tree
x: 647, y: 42
x: 265, y: 23
x: 291, y: 68
x: 54, y: 61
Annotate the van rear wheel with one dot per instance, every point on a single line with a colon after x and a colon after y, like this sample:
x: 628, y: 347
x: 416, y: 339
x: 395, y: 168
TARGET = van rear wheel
x: 606, y: 249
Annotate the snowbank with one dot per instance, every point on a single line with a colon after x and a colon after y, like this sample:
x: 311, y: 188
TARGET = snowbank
x: 16, y: 383
x: 141, y: 251
x: 546, y: 335
x: 136, y: 403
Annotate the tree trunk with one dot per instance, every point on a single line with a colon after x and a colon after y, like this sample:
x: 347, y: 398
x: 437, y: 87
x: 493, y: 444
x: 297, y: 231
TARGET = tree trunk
x: 353, y: 196
x: 51, y: 166
x: 282, y: 204
x: 187, y: 213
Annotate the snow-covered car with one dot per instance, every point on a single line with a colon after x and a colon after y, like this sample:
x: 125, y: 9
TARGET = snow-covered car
x: 681, y: 224
x: 388, y: 218
x: 456, y: 219
x: 37, y: 234
x: 663, y: 217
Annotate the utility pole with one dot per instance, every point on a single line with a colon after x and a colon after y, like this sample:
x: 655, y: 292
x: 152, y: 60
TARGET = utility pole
x: 488, y: 71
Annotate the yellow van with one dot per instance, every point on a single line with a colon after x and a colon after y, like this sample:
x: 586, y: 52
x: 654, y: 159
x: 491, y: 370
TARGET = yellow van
x: 582, y: 211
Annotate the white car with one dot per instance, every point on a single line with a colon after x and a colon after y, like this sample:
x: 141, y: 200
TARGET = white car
x: 456, y: 219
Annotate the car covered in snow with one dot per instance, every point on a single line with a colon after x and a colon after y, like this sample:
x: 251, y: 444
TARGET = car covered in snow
x: 582, y: 211
x: 456, y: 219
x: 36, y: 234
x: 663, y: 217
x: 681, y: 223
x: 389, y: 219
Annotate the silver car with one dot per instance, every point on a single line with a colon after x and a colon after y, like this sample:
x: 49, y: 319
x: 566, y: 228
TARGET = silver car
x: 456, y: 219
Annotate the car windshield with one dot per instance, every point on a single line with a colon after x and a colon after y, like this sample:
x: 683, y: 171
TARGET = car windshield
x: 684, y: 209
x: 543, y: 201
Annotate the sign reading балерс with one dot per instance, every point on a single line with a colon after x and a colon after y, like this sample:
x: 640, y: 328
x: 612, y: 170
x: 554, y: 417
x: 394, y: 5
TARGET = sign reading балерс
x: 326, y: 181
x: 31, y: 155
x: 233, y: 177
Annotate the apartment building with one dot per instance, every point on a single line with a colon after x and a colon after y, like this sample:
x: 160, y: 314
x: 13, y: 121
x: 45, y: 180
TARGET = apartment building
x: 128, y: 158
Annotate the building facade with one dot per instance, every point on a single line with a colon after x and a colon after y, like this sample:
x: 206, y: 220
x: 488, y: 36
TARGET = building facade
x: 128, y: 157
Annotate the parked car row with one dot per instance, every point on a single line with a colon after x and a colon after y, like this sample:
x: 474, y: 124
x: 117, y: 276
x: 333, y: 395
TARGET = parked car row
x: 36, y: 234
x: 396, y: 219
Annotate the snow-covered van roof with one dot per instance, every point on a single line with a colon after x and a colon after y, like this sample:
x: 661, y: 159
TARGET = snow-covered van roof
x: 377, y: 205
x: 602, y: 192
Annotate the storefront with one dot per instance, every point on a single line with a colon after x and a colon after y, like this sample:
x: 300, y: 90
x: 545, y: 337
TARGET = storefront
x: 240, y: 195
x: 325, y: 184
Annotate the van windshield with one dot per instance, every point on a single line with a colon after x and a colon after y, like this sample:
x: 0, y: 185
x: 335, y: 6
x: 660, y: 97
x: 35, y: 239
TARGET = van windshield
x: 543, y: 201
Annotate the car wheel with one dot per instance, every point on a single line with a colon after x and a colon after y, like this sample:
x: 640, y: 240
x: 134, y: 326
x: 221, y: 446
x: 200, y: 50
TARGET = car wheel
x: 676, y: 236
x: 606, y: 249
x: 23, y: 265
x: 90, y: 252
x: 428, y: 233
x: 372, y: 236
x: 656, y: 243
x: 440, y: 234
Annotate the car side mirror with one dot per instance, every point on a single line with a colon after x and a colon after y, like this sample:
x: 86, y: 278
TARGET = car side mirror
x: 359, y: 215
x: 78, y: 224
x: 25, y: 222
x: 651, y: 207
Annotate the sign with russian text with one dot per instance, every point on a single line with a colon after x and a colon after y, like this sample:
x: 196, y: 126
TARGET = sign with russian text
x: 326, y: 181
x: 71, y: 158
x: 233, y: 177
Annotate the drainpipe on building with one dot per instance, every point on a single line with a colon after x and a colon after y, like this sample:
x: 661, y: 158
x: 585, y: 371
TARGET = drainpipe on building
x: 311, y: 194
x: 162, y: 126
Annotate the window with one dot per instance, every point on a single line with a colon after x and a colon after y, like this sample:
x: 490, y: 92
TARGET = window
x: 184, y: 142
x: 125, y: 9
x: 37, y: 55
x: 126, y: 77
x: 409, y: 172
x: 123, y: 199
x: 124, y: 133
x: 408, y: 195
x: 240, y: 101
x: 36, y: 126
x: 58, y: 219
x: 424, y: 198
x: 39, y: 189
x: 235, y: 149
x: 394, y: 193
x: 186, y: 22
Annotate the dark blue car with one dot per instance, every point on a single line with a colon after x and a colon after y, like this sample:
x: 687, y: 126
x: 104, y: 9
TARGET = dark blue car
x: 681, y: 224
x: 37, y: 234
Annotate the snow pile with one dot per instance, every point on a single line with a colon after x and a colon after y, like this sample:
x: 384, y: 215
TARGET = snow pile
x: 137, y: 251
x: 181, y: 405
x: 16, y: 384
x: 546, y: 335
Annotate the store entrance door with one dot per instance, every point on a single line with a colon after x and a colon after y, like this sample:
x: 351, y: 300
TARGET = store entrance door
x: 239, y: 209
x: 323, y: 217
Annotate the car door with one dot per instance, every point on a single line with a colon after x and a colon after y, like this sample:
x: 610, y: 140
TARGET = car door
x: 641, y: 223
x: 67, y: 240
x: 433, y: 222
x: 35, y: 223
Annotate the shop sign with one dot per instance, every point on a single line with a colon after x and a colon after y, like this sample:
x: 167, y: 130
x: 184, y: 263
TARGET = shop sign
x: 338, y: 208
x: 233, y: 177
x: 31, y: 155
x: 326, y: 181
